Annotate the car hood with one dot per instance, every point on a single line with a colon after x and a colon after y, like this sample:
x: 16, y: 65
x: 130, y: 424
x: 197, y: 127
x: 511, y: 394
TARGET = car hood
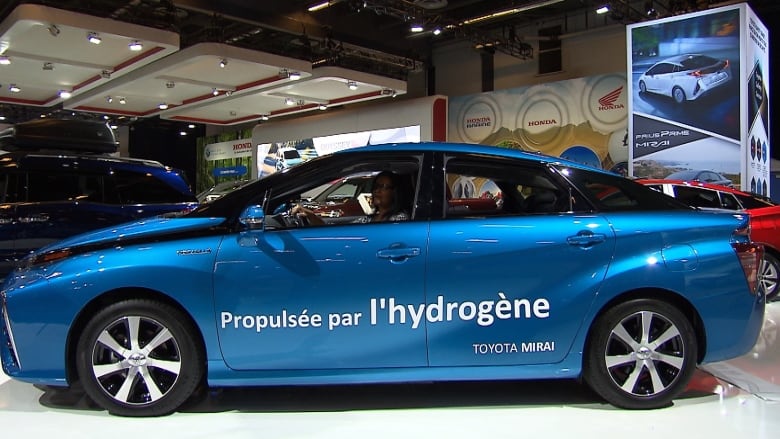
x: 149, y: 227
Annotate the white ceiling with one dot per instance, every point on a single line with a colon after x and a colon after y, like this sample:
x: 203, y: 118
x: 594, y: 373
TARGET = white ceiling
x: 49, y: 52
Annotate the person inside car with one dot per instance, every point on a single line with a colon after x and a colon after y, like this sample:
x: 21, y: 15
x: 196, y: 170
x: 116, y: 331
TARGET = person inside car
x: 387, y: 200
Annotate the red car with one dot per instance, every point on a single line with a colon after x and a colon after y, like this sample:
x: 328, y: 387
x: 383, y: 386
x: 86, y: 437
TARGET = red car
x: 764, y: 218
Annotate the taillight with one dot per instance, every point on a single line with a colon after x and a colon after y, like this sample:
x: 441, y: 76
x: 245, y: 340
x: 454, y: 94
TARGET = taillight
x: 750, y: 255
x: 696, y: 73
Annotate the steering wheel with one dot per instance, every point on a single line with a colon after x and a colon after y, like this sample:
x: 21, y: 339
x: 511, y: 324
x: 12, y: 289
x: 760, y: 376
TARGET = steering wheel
x: 292, y: 220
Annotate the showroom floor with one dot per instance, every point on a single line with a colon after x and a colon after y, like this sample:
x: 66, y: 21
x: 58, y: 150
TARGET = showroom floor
x: 713, y: 408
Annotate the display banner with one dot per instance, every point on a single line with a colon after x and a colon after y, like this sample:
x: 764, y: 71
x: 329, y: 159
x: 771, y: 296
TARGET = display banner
x: 697, y: 96
x: 583, y: 119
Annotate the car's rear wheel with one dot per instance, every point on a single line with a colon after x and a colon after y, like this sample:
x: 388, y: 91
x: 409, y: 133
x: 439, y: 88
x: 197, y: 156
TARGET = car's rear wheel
x: 139, y: 358
x: 770, y: 266
x: 678, y: 94
x: 641, y: 354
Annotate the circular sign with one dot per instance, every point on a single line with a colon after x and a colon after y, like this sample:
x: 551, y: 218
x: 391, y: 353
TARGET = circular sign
x: 479, y: 119
x: 541, y: 119
x: 583, y: 155
x: 604, y: 102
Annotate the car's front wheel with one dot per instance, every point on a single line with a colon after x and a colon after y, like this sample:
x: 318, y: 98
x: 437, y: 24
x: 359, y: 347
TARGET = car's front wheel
x: 139, y: 358
x: 770, y: 266
x: 642, y: 87
x: 641, y: 354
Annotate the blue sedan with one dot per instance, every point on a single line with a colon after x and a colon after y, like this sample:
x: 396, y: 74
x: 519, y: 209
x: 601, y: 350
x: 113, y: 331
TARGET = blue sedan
x: 503, y: 266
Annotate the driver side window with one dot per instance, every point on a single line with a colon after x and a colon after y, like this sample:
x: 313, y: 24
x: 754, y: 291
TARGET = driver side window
x: 346, y: 195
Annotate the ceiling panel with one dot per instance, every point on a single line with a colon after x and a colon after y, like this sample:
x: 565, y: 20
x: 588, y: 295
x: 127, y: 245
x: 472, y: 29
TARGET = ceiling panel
x: 49, y: 51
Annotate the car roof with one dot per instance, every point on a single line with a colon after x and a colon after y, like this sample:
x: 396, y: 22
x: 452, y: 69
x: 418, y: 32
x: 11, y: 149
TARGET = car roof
x: 17, y: 156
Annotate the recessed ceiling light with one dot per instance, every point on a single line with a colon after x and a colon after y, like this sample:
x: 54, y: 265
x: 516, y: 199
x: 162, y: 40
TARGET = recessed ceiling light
x: 13, y: 88
x: 223, y: 62
x: 135, y: 46
x: 64, y: 94
x: 94, y: 38
x: 4, y: 60
x: 352, y: 85
x: 289, y: 101
x: 163, y: 106
x: 122, y: 101
x: 294, y: 76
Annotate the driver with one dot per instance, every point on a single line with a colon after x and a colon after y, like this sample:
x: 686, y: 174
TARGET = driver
x: 387, y: 199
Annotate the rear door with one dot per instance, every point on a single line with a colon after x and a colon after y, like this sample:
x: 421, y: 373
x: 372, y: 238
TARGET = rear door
x: 511, y: 286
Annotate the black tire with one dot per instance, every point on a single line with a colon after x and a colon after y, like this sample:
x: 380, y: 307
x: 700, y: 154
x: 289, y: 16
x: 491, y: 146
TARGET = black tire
x: 678, y: 95
x: 642, y: 87
x: 625, y: 365
x: 767, y: 274
x: 116, y: 378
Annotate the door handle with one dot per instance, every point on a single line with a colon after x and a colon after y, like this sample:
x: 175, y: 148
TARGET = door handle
x: 586, y: 239
x: 397, y: 255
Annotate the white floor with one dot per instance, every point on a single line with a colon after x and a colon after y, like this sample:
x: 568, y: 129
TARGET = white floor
x: 713, y: 408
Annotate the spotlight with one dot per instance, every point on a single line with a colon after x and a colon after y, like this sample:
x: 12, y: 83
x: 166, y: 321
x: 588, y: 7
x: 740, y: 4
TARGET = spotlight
x: 264, y: 117
x: 294, y: 76
x: 289, y: 101
x: 228, y: 92
x: 94, y: 38
x: 105, y: 74
x: 318, y: 6
x: 437, y: 31
x: 13, y: 88
x: 416, y: 28
x: 603, y: 9
x: 352, y: 85
x: 214, y: 91
x: 135, y: 46
x: 64, y: 94
x: 48, y: 66
x: 109, y: 99
x: 163, y: 106
x: 4, y: 60
x: 323, y: 107
x: 54, y: 30
x: 170, y: 84
x: 222, y: 63
x: 122, y: 101
x: 387, y: 92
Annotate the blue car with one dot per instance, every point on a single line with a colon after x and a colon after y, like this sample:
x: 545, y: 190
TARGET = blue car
x: 562, y: 271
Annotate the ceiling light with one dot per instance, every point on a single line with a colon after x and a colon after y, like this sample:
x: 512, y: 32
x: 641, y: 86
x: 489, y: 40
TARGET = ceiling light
x: 437, y: 31
x: 264, y: 117
x: 170, y: 84
x: 94, y: 38
x: 223, y: 63
x: 294, y: 76
x: 4, y: 60
x: 511, y: 11
x: 214, y: 91
x: 323, y: 107
x: 289, y: 101
x: 163, y: 106
x: 13, y: 88
x: 416, y: 28
x: 135, y: 46
x: 113, y: 127
x: 352, y: 85
x: 48, y: 66
x: 122, y: 101
x: 191, y: 126
x: 109, y: 99
x: 319, y: 6
x: 182, y: 133
x: 105, y: 74
x: 53, y: 30
x: 603, y: 9
x: 64, y: 94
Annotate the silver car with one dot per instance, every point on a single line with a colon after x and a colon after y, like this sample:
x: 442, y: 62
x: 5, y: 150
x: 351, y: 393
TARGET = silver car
x: 685, y: 77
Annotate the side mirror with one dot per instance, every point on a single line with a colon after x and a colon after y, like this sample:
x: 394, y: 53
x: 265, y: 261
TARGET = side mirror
x: 252, y: 217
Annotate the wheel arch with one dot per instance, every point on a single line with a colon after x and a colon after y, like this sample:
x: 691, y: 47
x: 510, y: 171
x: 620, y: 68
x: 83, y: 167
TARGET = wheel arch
x: 89, y: 310
x: 667, y: 296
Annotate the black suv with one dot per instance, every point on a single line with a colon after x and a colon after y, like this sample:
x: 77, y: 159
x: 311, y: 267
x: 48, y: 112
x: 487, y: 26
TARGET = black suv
x: 47, y: 193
